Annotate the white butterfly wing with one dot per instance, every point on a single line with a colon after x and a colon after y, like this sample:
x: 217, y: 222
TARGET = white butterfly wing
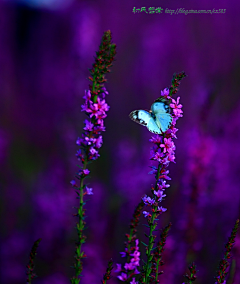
x: 145, y: 118
x: 163, y: 120
x: 162, y: 116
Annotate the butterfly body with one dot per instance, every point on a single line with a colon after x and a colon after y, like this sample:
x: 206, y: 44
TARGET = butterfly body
x: 157, y: 120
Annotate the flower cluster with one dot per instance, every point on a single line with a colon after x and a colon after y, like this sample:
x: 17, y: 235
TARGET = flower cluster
x: 130, y: 267
x: 91, y: 139
x: 163, y: 151
x: 131, y: 252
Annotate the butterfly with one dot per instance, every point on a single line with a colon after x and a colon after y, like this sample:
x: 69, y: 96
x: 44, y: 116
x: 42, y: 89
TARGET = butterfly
x: 157, y: 120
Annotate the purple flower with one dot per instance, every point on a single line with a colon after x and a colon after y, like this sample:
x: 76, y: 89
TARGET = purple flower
x: 92, y: 110
x: 73, y: 183
x: 89, y: 141
x: 168, y: 145
x: 129, y: 266
x: 146, y: 214
x: 99, y: 142
x: 104, y: 92
x: 99, y: 128
x: 176, y: 107
x: 89, y: 191
x: 171, y: 157
x: 153, y: 171
x: 135, y: 258
x: 79, y: 141
x: 93, y: 151
x: 87, y: 96
x: 163, y: 185
x: 165, y: 93
x: 159, y: 194
x: 157, y: 156
x: 156, y: 140
x: 148, y: 200
x: 123, y: 253
x: 86, y: 171
x: 101, y: 105
x: 83, y: 173
x: 122, y: 277
x: 119, y: 268
x: 89, y: 125
x: 172, y: 131
x: 161, y: 209
x: 133, y: 281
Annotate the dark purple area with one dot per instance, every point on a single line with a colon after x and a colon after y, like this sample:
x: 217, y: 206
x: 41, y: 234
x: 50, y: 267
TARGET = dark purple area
x: 44, y: 60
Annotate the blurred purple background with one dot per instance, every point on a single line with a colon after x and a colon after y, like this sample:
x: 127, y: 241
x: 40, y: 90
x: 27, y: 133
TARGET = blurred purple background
x: 46, y: 50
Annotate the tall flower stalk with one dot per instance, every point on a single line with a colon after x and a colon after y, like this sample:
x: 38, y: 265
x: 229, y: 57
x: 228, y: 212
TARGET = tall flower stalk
x: 224, y: 263
x: 91, y: 140
x: 163, y: 152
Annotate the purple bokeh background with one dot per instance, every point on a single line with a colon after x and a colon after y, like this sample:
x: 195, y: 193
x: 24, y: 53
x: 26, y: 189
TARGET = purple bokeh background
x: 45, y: 54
